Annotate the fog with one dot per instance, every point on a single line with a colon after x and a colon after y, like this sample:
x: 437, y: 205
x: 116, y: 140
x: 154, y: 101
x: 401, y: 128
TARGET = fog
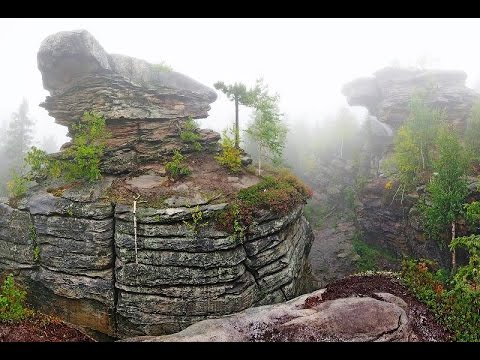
x: 305, y: 60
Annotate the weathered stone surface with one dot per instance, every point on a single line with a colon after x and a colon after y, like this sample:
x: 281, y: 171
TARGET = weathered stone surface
x: 387, y: 94
x: 17, y: 238
x: 347, y: 319
x: 181, y: 275
x: 144, y: 105
x: 391, y: 225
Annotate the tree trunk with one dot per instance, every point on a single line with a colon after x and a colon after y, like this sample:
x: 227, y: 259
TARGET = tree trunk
x: 237, y: 130
x: 341, y: 149
x: 423, y: 156
x: 454, y: 260
x: 259, y: 159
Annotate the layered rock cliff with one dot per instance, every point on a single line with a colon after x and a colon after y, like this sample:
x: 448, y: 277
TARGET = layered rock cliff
x: 74, y: 244
x: 395, y: 224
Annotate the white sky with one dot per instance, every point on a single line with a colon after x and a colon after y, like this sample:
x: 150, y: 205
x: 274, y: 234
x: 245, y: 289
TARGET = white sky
x: 305, y: 60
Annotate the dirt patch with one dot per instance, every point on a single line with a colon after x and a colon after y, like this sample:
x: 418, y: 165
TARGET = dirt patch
x: 41, y: 328
x: 207, y: 179
x: 422, y: 320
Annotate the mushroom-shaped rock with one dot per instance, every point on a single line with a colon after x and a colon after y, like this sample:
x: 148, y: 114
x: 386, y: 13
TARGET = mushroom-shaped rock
x: 387, y: 94
x: 145, y: 105
x: 81, y: 77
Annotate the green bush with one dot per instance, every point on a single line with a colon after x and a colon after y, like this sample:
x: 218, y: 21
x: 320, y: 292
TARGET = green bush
x: 88, y: 144
x: 18, y: 185
x: 454, y: 300
x: 12, y: 301
x: 278, y: 194
x: 175, y: 168
x: 230, y: 156
x: 41, y: 165
x: 162, y: 67
x: 80, y: 161
x: 190, y: 135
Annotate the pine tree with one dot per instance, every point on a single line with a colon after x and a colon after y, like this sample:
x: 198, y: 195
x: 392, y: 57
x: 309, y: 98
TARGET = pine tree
x: 19, y: 137
x: 241, y: 96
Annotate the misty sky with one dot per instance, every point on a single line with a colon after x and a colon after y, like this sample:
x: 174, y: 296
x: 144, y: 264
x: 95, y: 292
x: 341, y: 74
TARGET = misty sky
x: 305, y: 60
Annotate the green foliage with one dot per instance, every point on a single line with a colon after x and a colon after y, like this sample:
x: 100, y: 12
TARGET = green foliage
x: 80, y: 161
x: 190, y: 135
x: 448, y: 186
x: 32, y: 234
x: 239, y: 94
x: 176, y: 168
x: 18, y: 185
x: 88, y: 143
x: 455, y: 301
x: 230, y: 156
x: 267, y: 128
x: 405, y: 157
x: 278, y: 194
x: 36, y: 253
x: 197, y: 221
x: 369, y: 256
x: 472, y: 212
x: 162, y: 67
x: 472, y: 131
x: 12, y: 301
x: 414, y: 144
x: 41, y: 166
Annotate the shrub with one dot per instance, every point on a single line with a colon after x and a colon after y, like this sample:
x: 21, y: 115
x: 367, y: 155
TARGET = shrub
x: 230, y: 156
x: 190, y: 135
x: 454, y: 300
x: 198, y: 221
x: 12, y: 301
x: 89, y: 137
x: 278, y: 194
x: 175, y: 168
x: 41, y: 165
x: 18, y: 185
x: 162, y: 67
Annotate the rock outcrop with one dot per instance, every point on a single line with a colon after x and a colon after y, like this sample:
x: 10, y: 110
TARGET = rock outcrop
x: 77, y: 254
x: 145, y: 105
x: 383, y: 221
x: 75, y: 245
x: 305, y: 318
x: 386, y: 95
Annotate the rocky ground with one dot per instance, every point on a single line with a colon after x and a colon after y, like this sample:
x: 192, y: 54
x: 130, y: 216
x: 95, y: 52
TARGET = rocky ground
x: 422, y: 320
x: 357, y: 308
x: 332, y: 255
x: 41, y: 328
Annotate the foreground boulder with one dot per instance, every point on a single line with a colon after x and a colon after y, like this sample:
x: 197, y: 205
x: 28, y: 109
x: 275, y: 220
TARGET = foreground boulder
x: 305, y: 318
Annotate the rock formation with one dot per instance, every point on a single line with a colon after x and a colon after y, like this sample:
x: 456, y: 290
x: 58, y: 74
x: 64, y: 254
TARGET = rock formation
x: 395, y: 225
x: 386, y: 95
x: 145, y: 105
x: 74, y: 245
x: 306, y: 318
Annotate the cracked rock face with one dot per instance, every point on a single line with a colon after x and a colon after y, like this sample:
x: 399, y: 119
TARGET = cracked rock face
x: 145, y: 106
x: 301, y: 319
x: 86, y: 268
